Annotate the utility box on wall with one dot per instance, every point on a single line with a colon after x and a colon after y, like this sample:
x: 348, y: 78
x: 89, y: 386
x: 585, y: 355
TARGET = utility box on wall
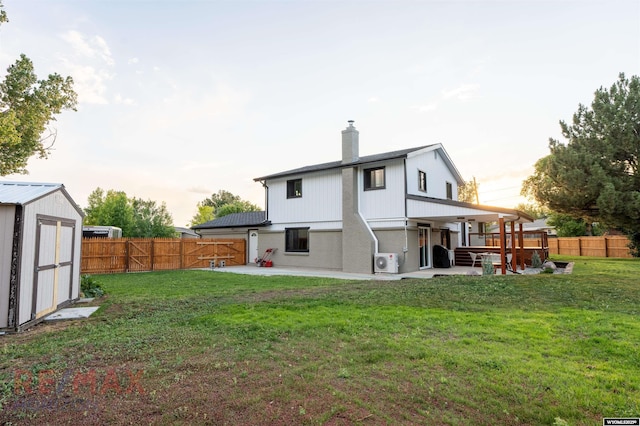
x: 40, y: 237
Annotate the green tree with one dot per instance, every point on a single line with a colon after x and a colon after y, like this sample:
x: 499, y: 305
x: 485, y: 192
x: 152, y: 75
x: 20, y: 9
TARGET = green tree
x: 136, y: 217
x: 205, y: 214
x: 27, y: 106
x: 532, y: 209
x: 110, y: 209
x: 568, y: 226
x: 151, y: 220
x: 468, y: 193
x: 221, y: 204
x: 236, y: 207
x: 594, y: 176
x: 220, y: 198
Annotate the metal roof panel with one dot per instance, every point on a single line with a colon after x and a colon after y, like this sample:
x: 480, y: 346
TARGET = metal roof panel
x: 25, y: 192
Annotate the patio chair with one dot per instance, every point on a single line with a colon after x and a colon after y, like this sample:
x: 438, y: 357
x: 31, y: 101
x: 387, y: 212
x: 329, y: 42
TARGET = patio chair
x: 509, y: 267
x: 474, y: 256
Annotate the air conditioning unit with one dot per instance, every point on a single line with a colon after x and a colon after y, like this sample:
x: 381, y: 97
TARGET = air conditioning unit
x: 386, y: 262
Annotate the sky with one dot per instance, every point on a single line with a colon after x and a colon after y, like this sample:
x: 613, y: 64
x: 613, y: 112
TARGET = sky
x: 181, y: 99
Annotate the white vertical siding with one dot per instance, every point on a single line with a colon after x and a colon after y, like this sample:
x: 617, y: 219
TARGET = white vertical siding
x: 45, y: 290
x: 387, y: 202
x: 56, y: 205
x: 7, y: 215
x: 65, y: 273
x: 27, y: 259
x: 47, y: 255
x: 438, y: 174
x: 321, y: 199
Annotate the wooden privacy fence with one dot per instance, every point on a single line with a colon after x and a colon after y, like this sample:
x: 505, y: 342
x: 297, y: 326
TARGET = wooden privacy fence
x: 111, y: 255
x: 608, y: 246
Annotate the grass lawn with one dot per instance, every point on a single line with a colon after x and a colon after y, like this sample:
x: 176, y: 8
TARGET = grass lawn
x: 204, y: 347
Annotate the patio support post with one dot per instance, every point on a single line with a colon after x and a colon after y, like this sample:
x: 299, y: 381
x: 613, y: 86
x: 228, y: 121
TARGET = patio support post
x: 514, y: 258
x: 521, y: 244
x: 503, y: 243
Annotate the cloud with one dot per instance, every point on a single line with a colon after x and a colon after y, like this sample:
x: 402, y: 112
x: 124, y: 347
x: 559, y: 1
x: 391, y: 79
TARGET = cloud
x: 374, y: 99
x: 103, y: 50
x: 124, y: 101
x: 190, y: 166
x: 78, y: 42
x: 89, y: 83
x: 94, y: 47
x: 199, y: 190
x: 426, y: 108
x: 462, y: 93
x: 90, y: 63
x: 133, y: 61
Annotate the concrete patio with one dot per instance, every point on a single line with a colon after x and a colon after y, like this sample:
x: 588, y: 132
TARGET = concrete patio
x: 306, y: 272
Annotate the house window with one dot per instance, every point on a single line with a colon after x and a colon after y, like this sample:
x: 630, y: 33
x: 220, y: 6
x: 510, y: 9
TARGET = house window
x: 294, y: 188
x: 422, y: 181
x: 374, y: 178
x: 449, y: 191
x: 296, y: 240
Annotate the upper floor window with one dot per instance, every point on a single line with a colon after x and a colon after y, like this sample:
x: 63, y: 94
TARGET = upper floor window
x: 374, y: 178
x: 294, y: 188
x: 422, y: 181
x: 296, y: 240
x: 449, y: 191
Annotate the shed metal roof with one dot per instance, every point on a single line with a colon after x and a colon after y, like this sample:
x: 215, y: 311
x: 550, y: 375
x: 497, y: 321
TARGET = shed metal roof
x: 235, y: 220
x: 25, y: 192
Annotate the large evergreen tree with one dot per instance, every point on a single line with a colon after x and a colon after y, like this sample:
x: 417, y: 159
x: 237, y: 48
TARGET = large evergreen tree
x: 594, y: 176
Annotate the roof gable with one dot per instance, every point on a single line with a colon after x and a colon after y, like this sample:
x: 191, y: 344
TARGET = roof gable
x: 445, y: 158
x: 21, y: 193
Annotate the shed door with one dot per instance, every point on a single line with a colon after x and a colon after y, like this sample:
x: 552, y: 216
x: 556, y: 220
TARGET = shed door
x: 53, y: 265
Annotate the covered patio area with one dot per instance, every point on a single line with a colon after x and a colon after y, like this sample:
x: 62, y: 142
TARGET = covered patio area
x: 512, y: 247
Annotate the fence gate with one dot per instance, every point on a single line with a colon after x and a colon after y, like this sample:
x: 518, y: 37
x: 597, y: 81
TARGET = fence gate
x: 140, y: 254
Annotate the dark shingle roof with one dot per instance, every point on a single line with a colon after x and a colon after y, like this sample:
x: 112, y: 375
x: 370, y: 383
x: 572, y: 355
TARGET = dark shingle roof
x: 235, y: 220
x: 338, y: 164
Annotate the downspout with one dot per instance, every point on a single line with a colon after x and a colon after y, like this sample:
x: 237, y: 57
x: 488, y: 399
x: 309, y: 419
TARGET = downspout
x: 366, y: 224
x: 266, y: 200
x: 405, y: 249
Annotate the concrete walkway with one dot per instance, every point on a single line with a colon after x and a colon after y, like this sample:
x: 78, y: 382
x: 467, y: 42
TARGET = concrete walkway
x: 308, y: 272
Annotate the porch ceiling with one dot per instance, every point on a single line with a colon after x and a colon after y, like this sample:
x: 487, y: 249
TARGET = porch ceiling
x: 427, y: 208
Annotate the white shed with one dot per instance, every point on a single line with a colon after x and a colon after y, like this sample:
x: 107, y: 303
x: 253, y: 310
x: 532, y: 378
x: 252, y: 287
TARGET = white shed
x: 40, y: 238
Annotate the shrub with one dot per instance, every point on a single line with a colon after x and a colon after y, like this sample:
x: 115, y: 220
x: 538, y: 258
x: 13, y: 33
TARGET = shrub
x: 90, y: 287
x: 487, y: 266
x: 536, y: 262
x: 634, y: 243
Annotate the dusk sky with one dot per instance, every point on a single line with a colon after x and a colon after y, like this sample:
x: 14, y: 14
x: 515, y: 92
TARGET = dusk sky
x: 180, y: 99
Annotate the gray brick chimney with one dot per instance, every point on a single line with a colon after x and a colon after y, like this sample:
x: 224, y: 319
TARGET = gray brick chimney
x: 350, y: 144
x: 358, y: 245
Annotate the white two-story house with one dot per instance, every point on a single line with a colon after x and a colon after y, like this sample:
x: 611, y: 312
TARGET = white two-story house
x: 364, y: 214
